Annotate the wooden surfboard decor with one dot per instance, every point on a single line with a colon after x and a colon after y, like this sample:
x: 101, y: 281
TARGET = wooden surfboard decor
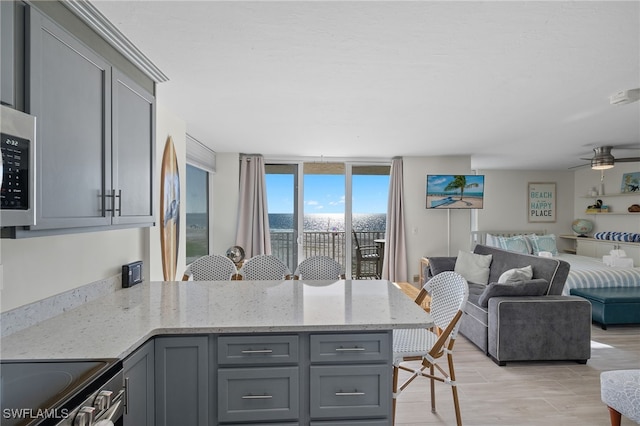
x: 169, y: 211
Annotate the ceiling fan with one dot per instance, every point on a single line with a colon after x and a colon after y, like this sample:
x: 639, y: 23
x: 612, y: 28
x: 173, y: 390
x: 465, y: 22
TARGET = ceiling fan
x: 603, y: 159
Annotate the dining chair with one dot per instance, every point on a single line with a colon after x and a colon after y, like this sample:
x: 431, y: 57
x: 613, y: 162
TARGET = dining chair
x: 318, y: 268
x: 449, y: 292
x: 264, y: 267
x: 367, y: 260
x: 213, y: 267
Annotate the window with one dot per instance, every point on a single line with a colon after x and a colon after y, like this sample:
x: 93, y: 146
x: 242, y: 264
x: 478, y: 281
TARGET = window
x: 317, y: 216
x: 197, y: 213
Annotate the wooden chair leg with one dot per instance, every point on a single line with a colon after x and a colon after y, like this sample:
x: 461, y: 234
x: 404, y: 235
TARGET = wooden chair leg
x: 454, y: 389
x: 615, y: 417
x: 394, y: 392
x: 433, y: 389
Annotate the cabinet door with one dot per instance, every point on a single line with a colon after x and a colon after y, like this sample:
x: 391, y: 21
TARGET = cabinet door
x: 7, y: 53
x: 69, y: 92
x: 133, y: 147
x: 182, y: 373
x: 139, y: 381
x: 586, y: 248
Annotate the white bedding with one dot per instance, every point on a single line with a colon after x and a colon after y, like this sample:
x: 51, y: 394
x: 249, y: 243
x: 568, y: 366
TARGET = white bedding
x: 589, y: 272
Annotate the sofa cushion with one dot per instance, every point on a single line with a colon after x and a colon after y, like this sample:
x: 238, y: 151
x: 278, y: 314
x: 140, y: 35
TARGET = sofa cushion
x: 516, y: 274
x: 537, y: 287
x: 473, y: 267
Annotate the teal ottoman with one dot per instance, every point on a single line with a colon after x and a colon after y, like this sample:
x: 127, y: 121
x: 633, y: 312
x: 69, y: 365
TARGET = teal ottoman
x: 615, y: 305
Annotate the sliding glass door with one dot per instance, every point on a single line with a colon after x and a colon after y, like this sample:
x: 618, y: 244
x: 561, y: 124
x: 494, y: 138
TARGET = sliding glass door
x: 319, y: 208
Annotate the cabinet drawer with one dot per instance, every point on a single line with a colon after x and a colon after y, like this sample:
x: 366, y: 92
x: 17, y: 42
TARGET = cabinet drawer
x: 238, y: 350
x: 340, y: 348
x: 347, y: 391
x: 258, y: 394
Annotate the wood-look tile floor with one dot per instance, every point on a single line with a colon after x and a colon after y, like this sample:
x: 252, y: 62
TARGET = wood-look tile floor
x: 525, y: 393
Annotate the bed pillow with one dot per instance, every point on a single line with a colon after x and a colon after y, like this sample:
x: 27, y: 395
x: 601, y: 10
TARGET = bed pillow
x: 473, y: 267
x: 544, y: 243
x: 517, y: 243
x: 491, y: 241
x: 516, y: 274
x: 537, y: 287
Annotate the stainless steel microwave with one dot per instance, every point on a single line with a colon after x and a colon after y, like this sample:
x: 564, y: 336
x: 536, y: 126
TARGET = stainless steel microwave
x: 17, y: 169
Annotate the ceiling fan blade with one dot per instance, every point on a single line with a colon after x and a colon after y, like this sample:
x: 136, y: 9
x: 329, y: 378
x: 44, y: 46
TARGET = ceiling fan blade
x: 628, y: 160
x: 579, y: 167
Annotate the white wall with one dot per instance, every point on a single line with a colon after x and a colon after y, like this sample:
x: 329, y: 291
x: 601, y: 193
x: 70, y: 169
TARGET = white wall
x: 432, y: 232
x: 36, y: 268
x: 505, y: 206
x: 224, y: 202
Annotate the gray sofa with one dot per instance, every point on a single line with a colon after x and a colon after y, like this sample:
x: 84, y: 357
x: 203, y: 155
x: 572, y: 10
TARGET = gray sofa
x: 509, y: 326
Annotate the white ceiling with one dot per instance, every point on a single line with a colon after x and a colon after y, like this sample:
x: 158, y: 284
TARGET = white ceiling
x: 516, y: 85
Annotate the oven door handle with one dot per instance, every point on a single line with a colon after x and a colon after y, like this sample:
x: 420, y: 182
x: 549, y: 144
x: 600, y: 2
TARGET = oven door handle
x: 116, y: 411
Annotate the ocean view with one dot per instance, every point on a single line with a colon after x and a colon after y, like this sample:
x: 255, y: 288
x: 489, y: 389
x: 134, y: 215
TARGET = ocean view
x: 332, y: 222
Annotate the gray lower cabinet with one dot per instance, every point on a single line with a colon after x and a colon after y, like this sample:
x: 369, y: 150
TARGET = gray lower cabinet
x: 139, y: 379
x: 258, y: 379
x: 317, y: 379
x: 350, y: 378
x: 182, y: 381
x: 95, y: 134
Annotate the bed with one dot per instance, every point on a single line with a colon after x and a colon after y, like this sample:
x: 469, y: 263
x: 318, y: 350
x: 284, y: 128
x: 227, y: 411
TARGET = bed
x: 585, y: 272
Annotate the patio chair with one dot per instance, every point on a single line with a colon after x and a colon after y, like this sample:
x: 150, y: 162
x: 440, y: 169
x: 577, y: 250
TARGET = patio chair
x: 264, y: 267
x: 318, y: 268
x: 211, y: 268
x: 449, y: 292
x: 367, y: 260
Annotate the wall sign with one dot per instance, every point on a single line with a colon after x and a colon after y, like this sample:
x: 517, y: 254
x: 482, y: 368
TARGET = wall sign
x: 542, y: 202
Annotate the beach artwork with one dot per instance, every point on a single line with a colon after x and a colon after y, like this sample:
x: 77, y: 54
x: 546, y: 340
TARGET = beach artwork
x: 455, y: 191
x: 169, y: 211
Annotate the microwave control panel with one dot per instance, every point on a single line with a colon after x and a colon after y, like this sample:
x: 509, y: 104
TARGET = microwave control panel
x: 15, y: 172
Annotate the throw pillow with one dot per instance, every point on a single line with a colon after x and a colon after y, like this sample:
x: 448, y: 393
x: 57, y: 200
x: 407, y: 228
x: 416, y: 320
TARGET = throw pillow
x: 473, y: 267
x: 517, y: 243
x: 537, y: 287
x: 516, y: 274
x: 544, y: 243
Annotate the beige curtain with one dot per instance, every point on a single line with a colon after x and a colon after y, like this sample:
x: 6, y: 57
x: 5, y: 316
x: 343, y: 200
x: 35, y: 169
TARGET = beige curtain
x: 253, y: 219
x: 394, y: 267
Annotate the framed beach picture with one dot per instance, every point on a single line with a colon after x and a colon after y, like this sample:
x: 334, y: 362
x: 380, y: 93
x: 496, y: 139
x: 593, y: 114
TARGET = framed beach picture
x: 630, y: 182
x: 541, y: 205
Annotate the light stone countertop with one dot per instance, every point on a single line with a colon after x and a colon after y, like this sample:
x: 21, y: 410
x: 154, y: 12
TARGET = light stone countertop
x: 113, y: 326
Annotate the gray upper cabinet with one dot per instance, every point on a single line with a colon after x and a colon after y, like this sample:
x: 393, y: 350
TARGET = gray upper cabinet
x: 7, y: 53
x: 133, y: 151
x: 69, y: 92
x: 95, y: 130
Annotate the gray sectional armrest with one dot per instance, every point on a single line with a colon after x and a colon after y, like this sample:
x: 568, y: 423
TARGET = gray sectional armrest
x: 539, y: 328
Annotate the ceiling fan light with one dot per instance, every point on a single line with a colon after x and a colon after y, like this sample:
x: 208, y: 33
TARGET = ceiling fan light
x: 601, y: 163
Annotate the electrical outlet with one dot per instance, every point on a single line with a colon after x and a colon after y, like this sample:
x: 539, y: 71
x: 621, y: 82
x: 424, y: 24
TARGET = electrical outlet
x: 416, y: 278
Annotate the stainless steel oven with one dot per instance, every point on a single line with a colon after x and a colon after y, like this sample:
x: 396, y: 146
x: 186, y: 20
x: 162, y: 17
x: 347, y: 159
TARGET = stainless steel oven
x: 62, y: 393
x: 17, y: 168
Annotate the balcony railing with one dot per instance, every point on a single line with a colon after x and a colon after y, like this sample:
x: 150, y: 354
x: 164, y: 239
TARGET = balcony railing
x: 319, y: 243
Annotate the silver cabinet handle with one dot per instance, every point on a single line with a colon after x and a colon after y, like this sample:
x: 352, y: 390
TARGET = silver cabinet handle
x: 349, y: 393
x: 257, y: 351
x: 257, y: 396
x: 349, y: 349
x: 126, y: 395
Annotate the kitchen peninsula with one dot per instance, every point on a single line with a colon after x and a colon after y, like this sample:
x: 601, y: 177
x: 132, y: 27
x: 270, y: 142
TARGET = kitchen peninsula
x: 316, y: 351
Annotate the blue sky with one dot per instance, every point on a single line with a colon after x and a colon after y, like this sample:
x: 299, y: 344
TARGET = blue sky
x: 437, y: 183
x: 325, y: 193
